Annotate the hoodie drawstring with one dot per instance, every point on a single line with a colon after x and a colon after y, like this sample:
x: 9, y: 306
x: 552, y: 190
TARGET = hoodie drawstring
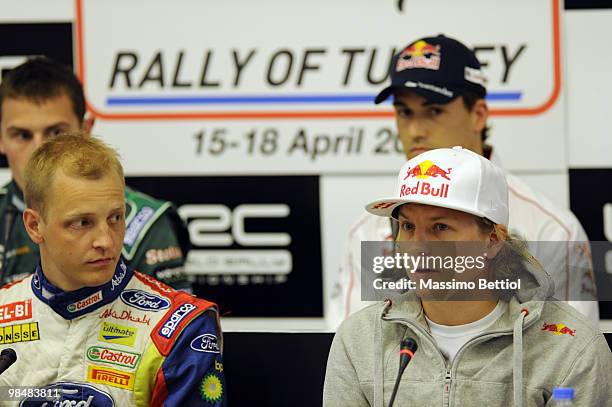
x: 517, y: 358
x: 379, y: 371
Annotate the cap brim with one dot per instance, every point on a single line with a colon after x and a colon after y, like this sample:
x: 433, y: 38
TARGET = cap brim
x: 384, y: 94
x: 385, y: 207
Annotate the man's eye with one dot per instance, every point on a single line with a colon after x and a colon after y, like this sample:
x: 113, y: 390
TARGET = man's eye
x: 23, y: 135
x: 56, y: 131
x: 439, y: 227
x: 403, y: 112
x: 116, y: 218
x: 80, y: 223
x: 407, y: 226
x: 435, y: 111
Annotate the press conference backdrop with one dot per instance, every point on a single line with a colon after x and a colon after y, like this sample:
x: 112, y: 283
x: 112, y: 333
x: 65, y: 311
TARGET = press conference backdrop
x: 262, y: 128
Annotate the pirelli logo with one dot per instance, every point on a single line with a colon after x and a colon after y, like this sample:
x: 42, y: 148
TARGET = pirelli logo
x: 19, y: 333
x: 110, y: 377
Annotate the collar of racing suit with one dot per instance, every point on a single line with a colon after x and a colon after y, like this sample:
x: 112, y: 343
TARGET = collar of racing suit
x: 16, y: 196
x: 73, y: 304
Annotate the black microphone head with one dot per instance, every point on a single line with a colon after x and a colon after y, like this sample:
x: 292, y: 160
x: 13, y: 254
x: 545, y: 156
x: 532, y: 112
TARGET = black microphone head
x: 9, y: 354
x: 407, y: 349
x: 409, y: 344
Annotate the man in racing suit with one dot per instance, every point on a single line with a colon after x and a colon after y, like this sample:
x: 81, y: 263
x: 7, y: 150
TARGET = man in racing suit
x: 87, y: 330
x: 38, y: 100
x: 428, y: 119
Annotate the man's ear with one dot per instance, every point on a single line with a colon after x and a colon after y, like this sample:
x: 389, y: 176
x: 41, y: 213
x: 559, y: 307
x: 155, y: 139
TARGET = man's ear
x: 480, y: 114
x: 494, y: 245
x: 88, y: 124
x: 34, y: 225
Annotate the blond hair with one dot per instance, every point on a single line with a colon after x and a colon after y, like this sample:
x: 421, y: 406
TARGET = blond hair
x: 77, y: 155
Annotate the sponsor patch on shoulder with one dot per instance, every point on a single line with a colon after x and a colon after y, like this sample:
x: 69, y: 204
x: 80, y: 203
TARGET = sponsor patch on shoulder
x: 207, y: 343
x: 137, y: 224
x: 559, y: 329
x: 144, y: 301
x: 211, y: 388
x: 154, y: 256
x: 172, y: 322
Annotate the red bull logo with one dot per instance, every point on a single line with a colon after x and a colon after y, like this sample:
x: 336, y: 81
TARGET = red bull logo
x: 558, y: 329
x: 424, y: 188
x: 424, y: 170
x: 427, y: 169
x: 419, y: 55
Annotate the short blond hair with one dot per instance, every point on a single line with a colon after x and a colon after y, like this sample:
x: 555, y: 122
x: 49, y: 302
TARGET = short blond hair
x: 77, y: 155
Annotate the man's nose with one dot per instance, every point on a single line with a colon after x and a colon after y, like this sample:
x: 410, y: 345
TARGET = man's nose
x: 103, y: 239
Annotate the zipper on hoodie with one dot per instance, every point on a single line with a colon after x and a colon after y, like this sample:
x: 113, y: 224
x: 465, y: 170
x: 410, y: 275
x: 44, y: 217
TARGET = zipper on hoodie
x: 427, y: 335
x: 447, y: 384
x: 453, y: 364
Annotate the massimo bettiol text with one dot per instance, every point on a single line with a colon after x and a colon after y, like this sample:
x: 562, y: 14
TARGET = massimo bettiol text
x: 432, y: 270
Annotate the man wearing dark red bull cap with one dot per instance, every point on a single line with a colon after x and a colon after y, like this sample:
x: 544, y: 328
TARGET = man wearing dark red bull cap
x: 439, y: 93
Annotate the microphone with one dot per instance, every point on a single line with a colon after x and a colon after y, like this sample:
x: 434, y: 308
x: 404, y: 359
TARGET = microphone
x: 7, y: 358
x: 9, y: 221
x: 407, y: 349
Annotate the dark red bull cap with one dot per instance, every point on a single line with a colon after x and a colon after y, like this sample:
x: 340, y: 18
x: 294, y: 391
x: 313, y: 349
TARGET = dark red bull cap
x: 437, y: 68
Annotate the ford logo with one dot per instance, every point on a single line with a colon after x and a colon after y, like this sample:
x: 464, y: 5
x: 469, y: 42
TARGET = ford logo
x: 206, y: 343
x: 144, y: 301
x: 70, y: 394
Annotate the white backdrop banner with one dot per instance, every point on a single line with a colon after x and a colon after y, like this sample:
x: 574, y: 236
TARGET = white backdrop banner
x: 287, y: 87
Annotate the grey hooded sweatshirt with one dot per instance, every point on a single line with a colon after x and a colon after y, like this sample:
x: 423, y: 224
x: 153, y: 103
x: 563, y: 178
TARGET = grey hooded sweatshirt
x: 537, y: 345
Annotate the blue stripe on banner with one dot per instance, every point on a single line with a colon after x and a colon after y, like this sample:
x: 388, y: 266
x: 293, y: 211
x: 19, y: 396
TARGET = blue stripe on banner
x: 236, y: 100
x: 506, y: 96
x: 226, y: 100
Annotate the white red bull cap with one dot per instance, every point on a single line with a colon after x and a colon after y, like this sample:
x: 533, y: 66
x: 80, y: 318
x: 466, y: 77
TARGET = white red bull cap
x: 454, y: 178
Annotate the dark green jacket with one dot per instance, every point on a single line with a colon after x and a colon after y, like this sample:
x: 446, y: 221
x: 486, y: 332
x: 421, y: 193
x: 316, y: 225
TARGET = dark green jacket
x: 156, y: 240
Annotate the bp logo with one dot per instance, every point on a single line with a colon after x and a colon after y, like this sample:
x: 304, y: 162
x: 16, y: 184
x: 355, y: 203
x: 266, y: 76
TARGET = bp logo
x: 211, y: 388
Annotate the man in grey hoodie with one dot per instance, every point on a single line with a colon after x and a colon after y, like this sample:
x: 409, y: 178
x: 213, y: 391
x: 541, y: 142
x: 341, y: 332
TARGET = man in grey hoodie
x: 511, y: 349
